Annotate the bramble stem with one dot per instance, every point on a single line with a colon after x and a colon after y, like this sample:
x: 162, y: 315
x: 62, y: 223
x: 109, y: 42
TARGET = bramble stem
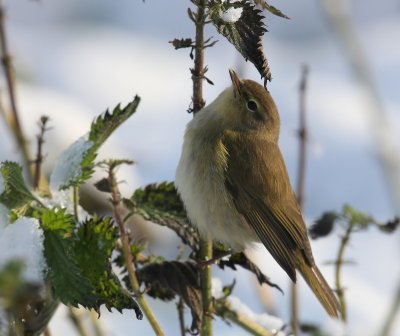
x: 116, y: 202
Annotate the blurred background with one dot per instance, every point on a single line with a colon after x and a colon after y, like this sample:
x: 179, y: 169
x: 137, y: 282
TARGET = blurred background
x: 74, y: 59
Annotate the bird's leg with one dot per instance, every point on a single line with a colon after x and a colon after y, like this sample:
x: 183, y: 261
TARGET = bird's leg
x: 204, y: 263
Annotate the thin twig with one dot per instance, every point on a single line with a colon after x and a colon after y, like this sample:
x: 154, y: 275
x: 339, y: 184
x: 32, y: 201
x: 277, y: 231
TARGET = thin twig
x: 94, y: 318
x: 116, y: 203
x: 391, y: 318
x: 181, y: 315
x: 75, y: 318
x: 301, y: 177
x: 14, y: 118
x: 205, y: 250
x: 240, y: 319
x: 338, y: 272
x: 386, y: 147
x: 39, y: 155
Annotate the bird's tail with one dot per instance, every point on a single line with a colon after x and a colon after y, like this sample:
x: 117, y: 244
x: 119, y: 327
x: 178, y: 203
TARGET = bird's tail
x: 319, y: 286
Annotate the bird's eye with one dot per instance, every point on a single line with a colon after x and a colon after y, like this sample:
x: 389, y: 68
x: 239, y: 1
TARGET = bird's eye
x: 252, y: 105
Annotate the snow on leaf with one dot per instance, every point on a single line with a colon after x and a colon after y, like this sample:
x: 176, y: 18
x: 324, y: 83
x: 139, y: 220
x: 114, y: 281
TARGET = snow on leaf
x: 75, y: 166
x: 69, y: 170
x: 241, y: 23
x: 23, y: 240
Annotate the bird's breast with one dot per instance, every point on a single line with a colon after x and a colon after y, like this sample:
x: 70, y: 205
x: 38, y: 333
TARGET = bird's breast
x: 200, y: 180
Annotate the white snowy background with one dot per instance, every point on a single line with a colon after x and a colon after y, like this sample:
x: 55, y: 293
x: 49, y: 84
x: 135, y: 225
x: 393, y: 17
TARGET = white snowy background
x: 75, y: 58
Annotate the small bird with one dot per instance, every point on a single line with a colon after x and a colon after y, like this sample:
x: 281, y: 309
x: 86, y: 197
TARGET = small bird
x: 235, y: 187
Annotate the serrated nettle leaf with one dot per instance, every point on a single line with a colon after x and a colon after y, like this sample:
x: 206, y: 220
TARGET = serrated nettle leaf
x: 240, y: 259
x: 180, y: 278
x: 94, y: 242
x: 241, y: 23
x: 161, y: 204
x: 273, y: 10
x: 79, y: 261
x: 14, y: 193
x: 67, y: 281
x: 103, y: 126
x: 76, y: 164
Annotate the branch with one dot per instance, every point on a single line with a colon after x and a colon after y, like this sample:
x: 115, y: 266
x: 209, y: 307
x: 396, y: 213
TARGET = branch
x: 385, y: 144
x: 338, y: 272
x: 205, y: 251
x: 39, y: 155
x: 14, y: 122
x: 294, y: 306
x: 226, y: 311
x: 116, y: 203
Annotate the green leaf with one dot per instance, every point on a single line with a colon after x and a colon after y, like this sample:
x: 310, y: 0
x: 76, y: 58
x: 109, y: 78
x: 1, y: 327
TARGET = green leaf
x: 103, y: 126
x: 161, y: 204
x: 244, y: 32
x: 79, y: 262
x: 15, y: 194
x: 95, y: 241
x: 67, y: 280
x: 76, y: 164
x: 273, y: 10
x: 356, y: 217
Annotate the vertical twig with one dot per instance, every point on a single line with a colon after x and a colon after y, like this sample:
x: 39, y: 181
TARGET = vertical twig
x: 391, y: 318
x: 39, y: 155
x: 205, y: 251
x: 198, y: 70
x: 116, y: 203
x: 76, y: 321
x: 301, y: 176
x: 338, y: 272
x: 14, y: 120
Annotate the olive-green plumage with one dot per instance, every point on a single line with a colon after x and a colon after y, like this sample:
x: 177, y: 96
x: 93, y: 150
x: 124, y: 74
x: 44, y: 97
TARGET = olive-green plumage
x: 235, y: 186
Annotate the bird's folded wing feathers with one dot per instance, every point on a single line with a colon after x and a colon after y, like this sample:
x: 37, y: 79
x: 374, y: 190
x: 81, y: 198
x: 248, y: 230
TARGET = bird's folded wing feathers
x: 263, y: 196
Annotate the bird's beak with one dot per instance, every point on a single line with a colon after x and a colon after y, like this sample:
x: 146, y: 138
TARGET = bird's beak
x: 236, y: 82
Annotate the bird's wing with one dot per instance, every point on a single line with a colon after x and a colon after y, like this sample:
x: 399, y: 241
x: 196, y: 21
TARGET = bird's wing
x: 258, y: 181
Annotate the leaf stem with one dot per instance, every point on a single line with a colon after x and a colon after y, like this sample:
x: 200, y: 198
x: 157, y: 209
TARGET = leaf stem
x: 116, y: 202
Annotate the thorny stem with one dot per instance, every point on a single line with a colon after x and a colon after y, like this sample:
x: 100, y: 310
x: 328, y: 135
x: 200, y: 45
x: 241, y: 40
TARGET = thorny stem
x: 205, y: 251
x: 198, y: 70
x: 116, y: 203
x: 14, y: 119
x: 294, y: 301
x: 338, y: 272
